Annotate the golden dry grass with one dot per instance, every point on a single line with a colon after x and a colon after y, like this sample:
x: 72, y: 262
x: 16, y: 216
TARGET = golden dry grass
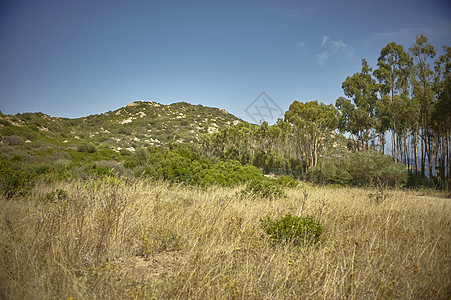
x: 138, y: 240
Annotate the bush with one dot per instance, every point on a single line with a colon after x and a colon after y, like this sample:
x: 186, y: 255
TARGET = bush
x: 86, y: 148
x: 13, y: 140
x: 264, y: 188
x: 329, y: 172
x: 292, y: 229
x: 286, y: 181
x: 15, y: 181
x: 230, y: 173
x: 125, y: 130
x: 4, y: 122
x: 376, y: 169
x: 187, y: 166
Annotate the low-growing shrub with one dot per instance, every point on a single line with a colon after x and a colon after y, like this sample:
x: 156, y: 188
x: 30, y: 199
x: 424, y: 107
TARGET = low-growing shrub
x: 187, y: 166
x: 296, y: 230
x: 13, y: 140
x: 376, y: 169
x: 286, y: 181
x: 264, y: 188
x: 15, y: 181
x: 86, y: 147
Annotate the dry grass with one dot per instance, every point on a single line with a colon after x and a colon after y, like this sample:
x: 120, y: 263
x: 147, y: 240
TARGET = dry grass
x: 137, y: 240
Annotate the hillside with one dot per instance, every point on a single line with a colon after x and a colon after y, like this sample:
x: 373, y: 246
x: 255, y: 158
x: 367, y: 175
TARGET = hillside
x: 140, y: 123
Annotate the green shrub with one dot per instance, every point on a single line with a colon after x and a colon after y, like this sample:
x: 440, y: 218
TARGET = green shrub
x: 86, y: 148
x: 293, y: 229
x: 329, y: 172
x: 15, y: 181
x: 125, y: 152
x: 188, y: 166
x: 264, y: 188
x: 376, y: 169
x: 125, y: 130
x: 4, y: 122
x: 13, y: 140
x: 115, y: 168
x: 286, y: 181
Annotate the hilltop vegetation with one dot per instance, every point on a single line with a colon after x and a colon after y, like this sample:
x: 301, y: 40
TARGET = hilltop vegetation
x: 139, y: 124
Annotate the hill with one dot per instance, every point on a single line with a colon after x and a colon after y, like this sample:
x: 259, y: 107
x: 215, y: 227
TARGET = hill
x: 140, y: 123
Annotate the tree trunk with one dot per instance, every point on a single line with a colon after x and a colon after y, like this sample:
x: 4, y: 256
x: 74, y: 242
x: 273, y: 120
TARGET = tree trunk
x: 382, y: 138
x: 415, y: 151
x: 422, y: 157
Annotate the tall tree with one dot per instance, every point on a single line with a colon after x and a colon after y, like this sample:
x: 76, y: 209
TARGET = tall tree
x: 393, y: 71
x: 442, y: 116
x: 422, y: 52
x: 313, y: 122
x: 362, y: 89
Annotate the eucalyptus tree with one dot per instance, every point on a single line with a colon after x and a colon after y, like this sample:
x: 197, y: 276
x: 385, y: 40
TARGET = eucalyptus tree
x: 313, y: 124
x: 422, y: 52
x: 442, y: 113
x: 358, y: 117
x: 394, y: 67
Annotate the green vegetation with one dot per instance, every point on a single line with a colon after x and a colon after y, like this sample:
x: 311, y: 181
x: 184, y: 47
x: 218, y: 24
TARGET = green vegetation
x: 264, y: 188
x: 374, y: 168
x: 15, y: 180
x: 165, y: 201
x: 296, y: 230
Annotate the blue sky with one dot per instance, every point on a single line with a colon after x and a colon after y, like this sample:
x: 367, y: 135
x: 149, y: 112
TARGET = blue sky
x: 76, y: 58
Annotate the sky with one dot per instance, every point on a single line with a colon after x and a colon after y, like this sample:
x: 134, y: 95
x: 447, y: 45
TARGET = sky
x: 253, y: 58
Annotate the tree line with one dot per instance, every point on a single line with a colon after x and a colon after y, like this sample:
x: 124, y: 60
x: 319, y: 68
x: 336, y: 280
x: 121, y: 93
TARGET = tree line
x: 405, y: 100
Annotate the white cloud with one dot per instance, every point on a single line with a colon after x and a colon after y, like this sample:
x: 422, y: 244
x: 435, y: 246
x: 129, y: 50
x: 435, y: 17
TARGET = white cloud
x: 300, y: 45
x: 334, y: 48
x: 322, y: 57
x: 338, y: 45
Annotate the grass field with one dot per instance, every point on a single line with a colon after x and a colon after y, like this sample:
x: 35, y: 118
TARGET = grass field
x: 109, y: 239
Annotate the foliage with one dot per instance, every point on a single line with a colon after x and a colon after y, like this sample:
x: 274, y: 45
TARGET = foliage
x: 292, y: 229
x: 329, y: 172
x: 313, y: 123
x: 185, y: 165
x: 86, y: 147
x: 264, y: 188
x: 15, y: 180
x: 374, y: 168
x: 286, y: 181
x: 13, y: 140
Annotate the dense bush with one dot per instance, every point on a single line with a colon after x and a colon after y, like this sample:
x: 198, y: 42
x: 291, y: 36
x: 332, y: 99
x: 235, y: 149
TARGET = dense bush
x: 376, y: 169
x: 329, y: 172
x: 13, y: 140
x: 86, y: 147
x: 286, y: 181
x: 264, y: 188
x: 187, y: 166
x: 15, y: 179
x: 293, y: 229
